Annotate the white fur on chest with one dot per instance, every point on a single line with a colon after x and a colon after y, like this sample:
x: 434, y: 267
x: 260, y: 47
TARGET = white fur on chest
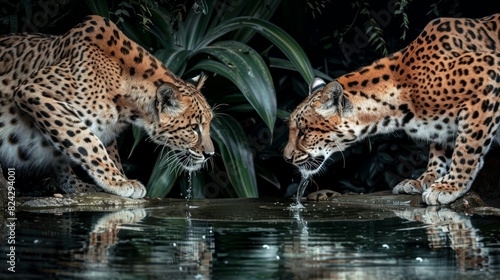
x: 108, y: 131
x: 435, y: 130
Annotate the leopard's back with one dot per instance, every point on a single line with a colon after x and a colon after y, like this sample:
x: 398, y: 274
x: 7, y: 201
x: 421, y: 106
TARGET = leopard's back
x: 452, y: 36
x: 23, y: 54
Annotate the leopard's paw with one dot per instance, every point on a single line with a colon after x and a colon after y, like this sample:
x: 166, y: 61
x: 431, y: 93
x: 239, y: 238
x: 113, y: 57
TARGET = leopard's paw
x: 442, y: 193
x: 128, y: 188
x: 322, y: 195
x: 408, y: 186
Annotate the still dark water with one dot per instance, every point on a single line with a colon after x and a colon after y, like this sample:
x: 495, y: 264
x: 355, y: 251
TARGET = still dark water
x: 255, y: 239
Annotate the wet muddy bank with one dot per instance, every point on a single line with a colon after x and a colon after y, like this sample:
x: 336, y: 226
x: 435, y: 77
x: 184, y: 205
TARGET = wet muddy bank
x: 380, y: 204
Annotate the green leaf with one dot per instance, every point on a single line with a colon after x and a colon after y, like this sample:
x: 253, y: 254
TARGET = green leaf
x: 268, y: 176
x: 98, y: 7
x: 263, y: 9
x: 193, y: 29
x: 230, y: 9
x: 136, y: 34
x: 287, y: 65
x: 283, y: 114
x: 165, y: 173
x: 138, y: 135
x: 292, y: 50
x: 246, y: 69
x: 175, y: 61
x: 236, y: 154
x: 161, y: 28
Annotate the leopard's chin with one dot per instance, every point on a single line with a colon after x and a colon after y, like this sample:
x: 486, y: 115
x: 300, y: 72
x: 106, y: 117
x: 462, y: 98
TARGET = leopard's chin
x: 312, y: 166
x: 192, y: 167
x: 191, y: 161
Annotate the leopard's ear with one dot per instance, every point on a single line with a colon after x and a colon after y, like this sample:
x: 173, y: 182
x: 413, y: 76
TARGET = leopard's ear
x: 167, y: 100
x: 198, y: 81
x: 316, y: 85
x: 333, y: 100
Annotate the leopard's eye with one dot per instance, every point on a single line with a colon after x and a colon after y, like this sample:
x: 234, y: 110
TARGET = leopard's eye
x: 196, y: 127
x: 301, y: 134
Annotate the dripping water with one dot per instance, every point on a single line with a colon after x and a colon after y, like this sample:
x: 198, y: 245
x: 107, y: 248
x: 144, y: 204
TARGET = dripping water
x: 304, y: 182
x: 189, y: 189
x: 188, y: 197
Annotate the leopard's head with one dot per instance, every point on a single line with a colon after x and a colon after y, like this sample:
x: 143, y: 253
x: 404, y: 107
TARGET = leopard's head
x: 182, y: 119
x: 319, y: 127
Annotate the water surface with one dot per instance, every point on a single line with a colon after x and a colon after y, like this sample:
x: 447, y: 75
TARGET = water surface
x: 255, y: 239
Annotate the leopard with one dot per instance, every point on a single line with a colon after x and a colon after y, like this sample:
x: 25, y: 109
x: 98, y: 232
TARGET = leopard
x: 65, y: 100
x: 443, y: 89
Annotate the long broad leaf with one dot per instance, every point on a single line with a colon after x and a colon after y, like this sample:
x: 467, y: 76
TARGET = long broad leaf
x: 98, y: 7
x: 263, y: 9
x: 163, y: 177
x: 139, y: 134
x: 237, y: 155
x: 162, y: 28
x: 268, y: 175
x: 136, y: 33
x: 193, y: 29
x: 287, y: 65
x: 246, y: 69
x: 174, y: 60
x: 292, y: 50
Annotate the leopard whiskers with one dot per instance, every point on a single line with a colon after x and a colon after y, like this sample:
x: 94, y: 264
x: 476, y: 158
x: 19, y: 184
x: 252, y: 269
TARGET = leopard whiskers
x: 314, y: 164
x: 170, y: 158
x: 215, y: 108
x: 341, y: 150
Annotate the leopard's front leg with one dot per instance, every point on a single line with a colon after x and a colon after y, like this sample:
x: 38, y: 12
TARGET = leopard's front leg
x: 472, y: 143
x: 437, y: 167
x: 113, y: 153
x: 69, y: 135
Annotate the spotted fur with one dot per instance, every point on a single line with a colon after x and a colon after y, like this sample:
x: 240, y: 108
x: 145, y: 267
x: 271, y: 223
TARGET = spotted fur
x: 64, y: 100
x: 443, y: 88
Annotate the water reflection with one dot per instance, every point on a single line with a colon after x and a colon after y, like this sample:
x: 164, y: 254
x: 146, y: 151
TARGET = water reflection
x: 104, y: 235
x: 446, y: 228
x: 256, y: 239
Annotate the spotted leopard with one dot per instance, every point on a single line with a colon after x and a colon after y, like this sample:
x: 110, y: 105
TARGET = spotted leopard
x: 65, y: 99
x: 443, y: 88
